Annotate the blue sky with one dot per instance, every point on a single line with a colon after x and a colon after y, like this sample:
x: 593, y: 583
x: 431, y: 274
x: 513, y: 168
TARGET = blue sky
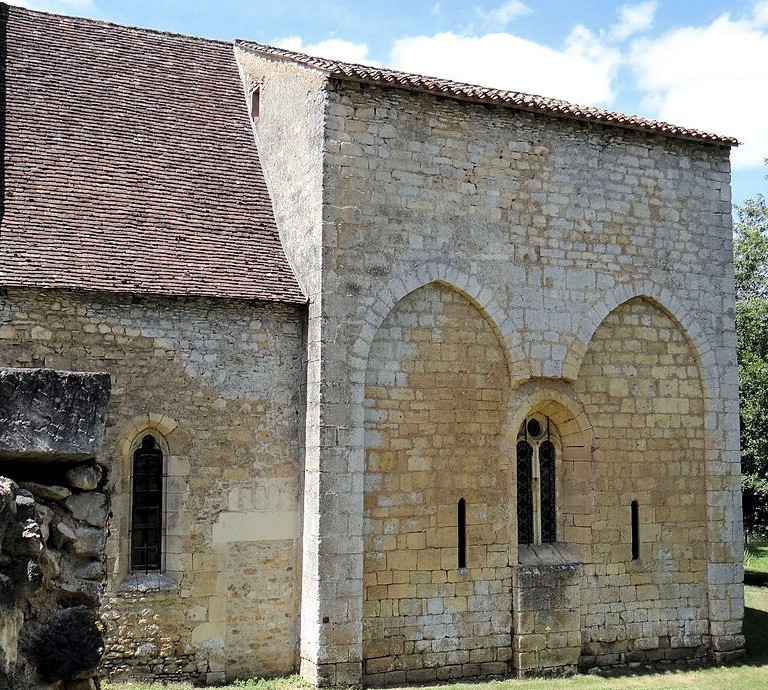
x: 698, y: 63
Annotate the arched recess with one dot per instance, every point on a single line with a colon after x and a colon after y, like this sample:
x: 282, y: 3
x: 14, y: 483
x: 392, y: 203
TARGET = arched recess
x: 453, y: 277
x: 642, y: 384
x: 436, y: 456
x: 160, y: 428
x: 668, y: 302
x: 575, y: 486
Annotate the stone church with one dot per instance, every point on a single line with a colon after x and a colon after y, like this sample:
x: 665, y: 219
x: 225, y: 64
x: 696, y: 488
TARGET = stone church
x: 412, y: 380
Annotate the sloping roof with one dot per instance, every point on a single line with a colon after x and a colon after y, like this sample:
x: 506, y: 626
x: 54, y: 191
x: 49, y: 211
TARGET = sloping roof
x: 521, y: 101
x: 130, y: 165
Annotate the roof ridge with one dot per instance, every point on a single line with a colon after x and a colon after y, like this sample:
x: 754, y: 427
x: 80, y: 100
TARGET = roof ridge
x: 476, y: 92
x: 105, y: 22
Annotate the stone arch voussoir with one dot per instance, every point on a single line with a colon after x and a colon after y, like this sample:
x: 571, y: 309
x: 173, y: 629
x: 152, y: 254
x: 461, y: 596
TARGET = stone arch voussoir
x: 464, y: 283
x: 556, y: 401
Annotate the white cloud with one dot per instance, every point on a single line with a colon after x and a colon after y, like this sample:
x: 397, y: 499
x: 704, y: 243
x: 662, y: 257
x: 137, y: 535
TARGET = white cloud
x: 582, y: 71
x: 332, y: 48
x: 711, y: 77
x: 634, y: 19
x: 761, y: 14
x: 512, y: 9
x: 60, y: 6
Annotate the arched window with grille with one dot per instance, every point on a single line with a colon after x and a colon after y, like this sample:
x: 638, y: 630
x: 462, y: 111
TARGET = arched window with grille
x: 147, y: 506
x: 536, y: 482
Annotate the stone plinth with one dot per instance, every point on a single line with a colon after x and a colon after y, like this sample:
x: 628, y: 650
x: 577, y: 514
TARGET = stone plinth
x: 547, y: 598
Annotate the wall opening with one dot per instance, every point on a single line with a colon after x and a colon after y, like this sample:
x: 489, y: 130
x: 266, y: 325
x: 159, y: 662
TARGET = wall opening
x: 461, y: 536
x: 635, y: 531
x: 147, y: 507
x: 255, y: 104
x: 536, y: 482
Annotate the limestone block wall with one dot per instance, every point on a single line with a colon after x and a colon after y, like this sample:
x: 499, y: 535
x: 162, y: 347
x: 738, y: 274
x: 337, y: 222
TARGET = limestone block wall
x: 547, y: 598
x: 436, y: 605
x: 218, y: 385
x: 548, y: 225
x: 641, y: 386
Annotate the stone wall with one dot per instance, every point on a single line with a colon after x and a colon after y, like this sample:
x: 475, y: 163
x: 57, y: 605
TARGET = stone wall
x: 641, y: 387
x: 546, y: 588
x: 548, y: 224
x: 53, y: 528
x: 218, y: 385
x: 290, y: 135
x: 435, y: 434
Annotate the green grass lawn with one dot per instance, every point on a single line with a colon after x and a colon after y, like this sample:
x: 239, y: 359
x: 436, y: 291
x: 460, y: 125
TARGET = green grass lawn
x: 756, y: 562
x: 750, y: 675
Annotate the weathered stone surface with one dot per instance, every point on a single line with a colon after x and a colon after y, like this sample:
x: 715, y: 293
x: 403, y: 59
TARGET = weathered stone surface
x: 89, y: 541
x: 61, y: 534
x: 25, y: 504
x: 47, y: 414
x: 26, y: 539
x: 46, y: 492
x: 90, y: 506
x: 85, y: 477
x: 93, y: 570
x: 49, y: 562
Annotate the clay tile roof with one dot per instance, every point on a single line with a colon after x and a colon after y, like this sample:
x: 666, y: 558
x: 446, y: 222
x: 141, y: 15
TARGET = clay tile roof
x: 129, y: 165
x: 513, y: 99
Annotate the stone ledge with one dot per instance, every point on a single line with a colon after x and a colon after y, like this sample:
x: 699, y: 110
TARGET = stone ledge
x: 547, y: 556
x: 148, y: 582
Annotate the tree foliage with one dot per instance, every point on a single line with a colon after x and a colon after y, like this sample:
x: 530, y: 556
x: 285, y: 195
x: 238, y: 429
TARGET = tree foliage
x: 751, y: 267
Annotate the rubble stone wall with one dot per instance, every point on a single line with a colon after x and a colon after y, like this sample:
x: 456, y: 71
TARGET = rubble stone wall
x: 218, y: 385
x: 53, y: 527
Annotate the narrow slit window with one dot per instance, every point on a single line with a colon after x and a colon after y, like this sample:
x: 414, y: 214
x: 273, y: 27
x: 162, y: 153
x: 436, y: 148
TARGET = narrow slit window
x: 462, y: 533
x: 635, y: 531
x: 255, y: 102
x: 524, y: 492
x: 147, y: 507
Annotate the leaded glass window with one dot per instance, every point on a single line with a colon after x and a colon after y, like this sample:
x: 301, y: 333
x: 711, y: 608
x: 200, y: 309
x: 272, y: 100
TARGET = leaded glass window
x: 536, y: 482
x: 147, y: 506
x: 524, y: 492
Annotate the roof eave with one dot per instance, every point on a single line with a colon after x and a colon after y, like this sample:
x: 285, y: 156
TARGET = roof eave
x: 464, y: 92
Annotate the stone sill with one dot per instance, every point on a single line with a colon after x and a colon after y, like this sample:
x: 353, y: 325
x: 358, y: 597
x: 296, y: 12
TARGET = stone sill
x: 546, y: 555
x: 148, y: 582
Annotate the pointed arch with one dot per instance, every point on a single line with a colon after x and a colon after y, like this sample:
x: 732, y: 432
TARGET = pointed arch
x: 462, y: 282
x: 556, y: 401
x: 666, y: 300
x: 436, y: 475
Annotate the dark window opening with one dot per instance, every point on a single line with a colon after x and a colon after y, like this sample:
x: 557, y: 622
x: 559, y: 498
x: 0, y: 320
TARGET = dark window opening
x: 524, y: 493
x: 536, y: 483
x: 147, y: 506
x: 548, y: 512
x: 255, y: 102
x: 635, y: 531
x: 462, y: 533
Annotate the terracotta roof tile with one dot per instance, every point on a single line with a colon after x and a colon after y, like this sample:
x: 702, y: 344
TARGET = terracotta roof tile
x: 514, y: 99
x: 130, y: 165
